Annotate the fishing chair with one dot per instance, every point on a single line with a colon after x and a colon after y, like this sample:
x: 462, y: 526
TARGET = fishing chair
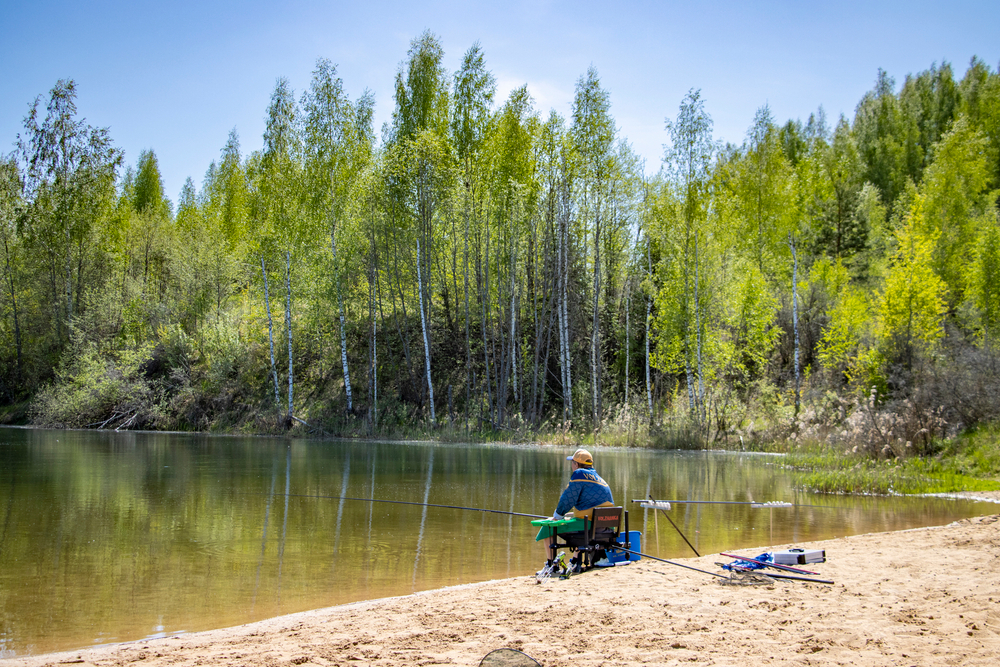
x: 598, y: 534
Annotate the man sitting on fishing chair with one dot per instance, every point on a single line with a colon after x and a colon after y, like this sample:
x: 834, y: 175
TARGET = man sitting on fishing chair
x: 586, y: 491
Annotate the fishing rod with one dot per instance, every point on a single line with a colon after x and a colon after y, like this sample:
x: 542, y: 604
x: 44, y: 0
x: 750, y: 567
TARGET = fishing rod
x: 406, y: 502
x: 791, y: 576
x: 669, y: 562
x: 768, y: 505
x: 722, y: 576
x: 660, y: 507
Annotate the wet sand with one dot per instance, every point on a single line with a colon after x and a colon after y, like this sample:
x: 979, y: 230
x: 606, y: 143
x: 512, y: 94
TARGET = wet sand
x: 929, y: 596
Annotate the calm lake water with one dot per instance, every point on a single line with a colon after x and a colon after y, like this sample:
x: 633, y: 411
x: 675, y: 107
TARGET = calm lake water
x: 111, y: 537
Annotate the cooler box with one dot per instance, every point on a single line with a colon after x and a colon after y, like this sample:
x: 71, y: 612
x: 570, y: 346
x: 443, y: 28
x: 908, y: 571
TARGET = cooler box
x: 799, y: 556
x: 635, y: 537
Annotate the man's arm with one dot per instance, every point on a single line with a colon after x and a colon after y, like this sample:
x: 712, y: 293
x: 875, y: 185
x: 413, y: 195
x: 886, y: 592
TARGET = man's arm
x: 569, y: 498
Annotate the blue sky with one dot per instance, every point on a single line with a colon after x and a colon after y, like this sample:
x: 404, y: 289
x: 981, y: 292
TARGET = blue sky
x: 177, y: 77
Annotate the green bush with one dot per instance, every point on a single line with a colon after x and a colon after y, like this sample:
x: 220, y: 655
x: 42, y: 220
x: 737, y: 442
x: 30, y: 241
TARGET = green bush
x: 93, y: 390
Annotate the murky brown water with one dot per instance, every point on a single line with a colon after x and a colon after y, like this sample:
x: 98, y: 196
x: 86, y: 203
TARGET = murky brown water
x: 115, y: 537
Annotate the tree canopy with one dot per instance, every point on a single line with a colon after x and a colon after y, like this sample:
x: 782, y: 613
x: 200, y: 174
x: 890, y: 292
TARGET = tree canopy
x: 489, y: 265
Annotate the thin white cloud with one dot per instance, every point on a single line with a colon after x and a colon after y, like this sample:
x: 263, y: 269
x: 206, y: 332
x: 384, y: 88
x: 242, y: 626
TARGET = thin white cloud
x: 546, y: 94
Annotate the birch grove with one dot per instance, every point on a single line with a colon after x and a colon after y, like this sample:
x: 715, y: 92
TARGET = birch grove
x: 493, y: 259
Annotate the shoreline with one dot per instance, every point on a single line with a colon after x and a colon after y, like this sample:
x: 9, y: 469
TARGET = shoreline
x: 918, y: 597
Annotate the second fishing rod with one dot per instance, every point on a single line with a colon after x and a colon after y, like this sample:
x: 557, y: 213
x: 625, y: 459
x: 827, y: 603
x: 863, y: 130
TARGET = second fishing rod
x: 403, y: 502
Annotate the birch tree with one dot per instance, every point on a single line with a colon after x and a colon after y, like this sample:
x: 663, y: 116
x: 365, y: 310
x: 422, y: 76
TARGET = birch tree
x: 420, y: 124
x: 11, y: 209
x: 338, y: 147
x: 278, y: 174
x: 474, y: 89
x: 70, y: 169
x: 593, y: 134
x: 687, y: 162
x: 226, y: 205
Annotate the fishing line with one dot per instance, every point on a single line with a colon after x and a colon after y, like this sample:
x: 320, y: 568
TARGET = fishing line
x: 675, y: 528
x: 406, y: 502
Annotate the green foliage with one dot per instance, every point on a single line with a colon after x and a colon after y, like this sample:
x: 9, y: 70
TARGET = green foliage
x: 838, y: 230
x: 148, y: 193
x: 762, y: 187
x: 984, y: 275
x: 422, y: 100
x: 753, y: 332
x: 540, y: 241
x: 912, y: 307
x: 955, y: 197
x: 976, y: 453
x: 847, y: 340
x: 879, y: 128
x: 473, y: 98
x: 967, y: 464
x: 92, y: 390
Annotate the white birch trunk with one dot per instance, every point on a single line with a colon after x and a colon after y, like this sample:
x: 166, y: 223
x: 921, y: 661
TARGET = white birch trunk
x: 564, y: 357
x: 649, y: 388
x: 697, y: 324
x: 423, y: 326
x: 566, y: 333
x: 270, y: 335
x: 649, y: 309
x: 513, y: 344
x: 687, y: 339
x: 468, y: 335
x: 69, y: 281
x: 514, y: 377
x: 628, y: 352
x: 13, y: 303
x: 288, y: 326
x: 484, y: 309
x: 343, y: 333
x: 559, y: 325
x: 371, y: 308
x: 595, y: 326
x: 567, y: 357
x: 795, y: 318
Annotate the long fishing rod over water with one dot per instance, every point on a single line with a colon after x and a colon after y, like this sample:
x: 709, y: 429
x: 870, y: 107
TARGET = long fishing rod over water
x: 771, y: 504
x: 407, y: 502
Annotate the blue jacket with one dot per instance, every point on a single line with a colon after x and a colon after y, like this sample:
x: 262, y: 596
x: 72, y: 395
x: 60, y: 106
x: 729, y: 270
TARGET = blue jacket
x: 586, y: 491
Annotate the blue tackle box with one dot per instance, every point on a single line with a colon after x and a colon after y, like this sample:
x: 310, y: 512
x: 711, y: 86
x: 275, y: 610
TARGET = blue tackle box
x: 635, y: 537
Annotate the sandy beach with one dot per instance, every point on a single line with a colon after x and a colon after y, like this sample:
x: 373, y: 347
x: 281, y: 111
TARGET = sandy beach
x: 929, y: 596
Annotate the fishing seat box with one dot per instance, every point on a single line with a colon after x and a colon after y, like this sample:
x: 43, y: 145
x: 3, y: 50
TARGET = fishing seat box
x: 799, y: 556
x: 615, y: 556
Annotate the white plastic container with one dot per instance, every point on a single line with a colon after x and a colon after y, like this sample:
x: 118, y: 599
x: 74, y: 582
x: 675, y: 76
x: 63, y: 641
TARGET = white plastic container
x: 797, y: 556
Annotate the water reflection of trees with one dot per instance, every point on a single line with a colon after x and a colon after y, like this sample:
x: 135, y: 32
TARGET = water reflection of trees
x: 127, y: 533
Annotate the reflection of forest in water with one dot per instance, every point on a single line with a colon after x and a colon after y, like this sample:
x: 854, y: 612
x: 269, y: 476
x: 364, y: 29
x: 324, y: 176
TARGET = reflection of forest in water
x: 112, y: 537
